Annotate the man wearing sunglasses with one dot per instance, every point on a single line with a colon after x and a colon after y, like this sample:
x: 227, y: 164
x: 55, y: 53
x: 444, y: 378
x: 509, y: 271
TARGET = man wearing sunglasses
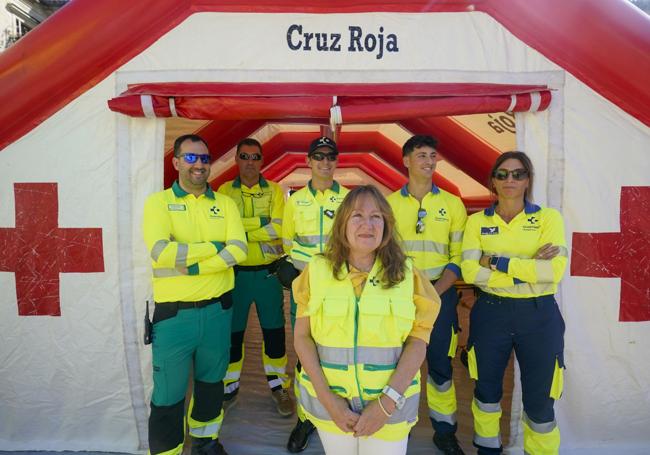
x: 194, y: 237
x: 431, y: 222
x: 261, y: 205
x: 308, y: 219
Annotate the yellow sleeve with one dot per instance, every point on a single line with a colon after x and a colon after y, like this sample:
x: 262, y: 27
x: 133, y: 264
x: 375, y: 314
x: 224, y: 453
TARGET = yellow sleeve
x: 236, y: 248
x: 458, y: 221
x: 427, y: 306
x: 268, y: 229
x: 165, y: 253
x: 301, y: 292
x: 541, y: 270
x: 288, y: 227
x: 472, y: 250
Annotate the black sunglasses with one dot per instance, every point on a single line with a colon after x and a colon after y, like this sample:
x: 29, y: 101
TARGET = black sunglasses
x: 320, y: 156
x: 251, y: 156
x: 517, y: 174
x: 191, y: 158
x: 419, y: 225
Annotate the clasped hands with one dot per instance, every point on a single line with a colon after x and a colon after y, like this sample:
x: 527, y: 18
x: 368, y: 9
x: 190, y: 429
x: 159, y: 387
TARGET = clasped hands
x: 371, y: 419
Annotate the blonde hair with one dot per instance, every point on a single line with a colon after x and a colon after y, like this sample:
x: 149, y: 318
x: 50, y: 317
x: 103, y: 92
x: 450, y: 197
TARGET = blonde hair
x: 389, y: 252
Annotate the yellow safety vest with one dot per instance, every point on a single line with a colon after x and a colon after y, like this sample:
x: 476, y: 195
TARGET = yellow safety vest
x: 307, y: 222
x: 261, y: 208
x: 359, y: 342
x: 439, y: 246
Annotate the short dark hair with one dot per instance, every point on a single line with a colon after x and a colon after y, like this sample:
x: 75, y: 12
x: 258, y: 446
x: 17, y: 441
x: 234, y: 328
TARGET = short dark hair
x: 417, y: 141
x: 251, y: 142
x: 525, y: 162
x: 192, y: 137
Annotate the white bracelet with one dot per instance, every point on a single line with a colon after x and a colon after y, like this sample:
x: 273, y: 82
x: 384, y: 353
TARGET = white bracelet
x: 382, y: 407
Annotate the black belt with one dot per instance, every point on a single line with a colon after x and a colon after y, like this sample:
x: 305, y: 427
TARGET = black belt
x: 252, y: 268
x: 167, y: 310
x: 501, y: 299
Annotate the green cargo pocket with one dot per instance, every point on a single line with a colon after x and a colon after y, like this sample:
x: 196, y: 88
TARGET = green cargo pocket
x: 453, y: 344
x: 471, y: 363
x: 557, y: 386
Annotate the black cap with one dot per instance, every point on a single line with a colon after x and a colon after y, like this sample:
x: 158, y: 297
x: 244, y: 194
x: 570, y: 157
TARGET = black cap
x: 322, y: 141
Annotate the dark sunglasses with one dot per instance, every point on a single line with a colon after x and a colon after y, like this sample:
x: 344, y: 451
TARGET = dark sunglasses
x: 320, y: 156
x: 419, y: 225
x: 517, y: 174
x: 251, y: 156
x: 190, y: 158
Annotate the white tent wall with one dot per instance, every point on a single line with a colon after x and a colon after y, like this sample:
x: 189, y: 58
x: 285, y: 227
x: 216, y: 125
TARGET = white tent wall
x: 82, y: 381
x: 64, y: 379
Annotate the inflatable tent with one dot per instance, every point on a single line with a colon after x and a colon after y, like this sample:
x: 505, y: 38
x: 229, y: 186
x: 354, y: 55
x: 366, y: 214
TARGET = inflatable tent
x: 85, y: 102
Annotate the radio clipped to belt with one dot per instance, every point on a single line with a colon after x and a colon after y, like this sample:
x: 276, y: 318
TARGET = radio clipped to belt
x: 148, y: 326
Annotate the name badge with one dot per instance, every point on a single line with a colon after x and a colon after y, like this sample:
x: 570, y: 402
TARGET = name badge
x: 490, y: 230
x: 176, y: 207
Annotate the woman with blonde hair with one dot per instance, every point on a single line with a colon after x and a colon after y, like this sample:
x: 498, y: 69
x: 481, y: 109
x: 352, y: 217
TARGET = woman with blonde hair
x: 363, y: 322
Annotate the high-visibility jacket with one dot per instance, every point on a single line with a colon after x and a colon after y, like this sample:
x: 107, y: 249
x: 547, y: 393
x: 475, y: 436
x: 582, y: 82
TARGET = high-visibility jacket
x: 261, y: 208
x: 193, y: 242
x: 307, y: 222
x: 359, y: 342
x: 518, y: 274
x: 439, y: 246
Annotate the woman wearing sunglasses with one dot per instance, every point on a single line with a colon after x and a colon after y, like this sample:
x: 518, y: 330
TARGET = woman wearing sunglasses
x: 515, y: 253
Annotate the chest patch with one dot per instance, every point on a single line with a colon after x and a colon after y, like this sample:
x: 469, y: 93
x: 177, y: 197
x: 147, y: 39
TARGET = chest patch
x: 215, y: 212
x: 176, y: 207
x: 329, y: 213
x: 490, y: 230
x: 532, y: 224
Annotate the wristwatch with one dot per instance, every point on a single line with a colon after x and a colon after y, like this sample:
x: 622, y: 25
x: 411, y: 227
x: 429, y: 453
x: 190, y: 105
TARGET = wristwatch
x: 493, y: 262
x: 400, y: 400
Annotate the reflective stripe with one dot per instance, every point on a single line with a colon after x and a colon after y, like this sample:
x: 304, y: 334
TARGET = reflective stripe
x: 232, y: 375
x: 165, y: 273
x: 158, y: 248
x: 271, y: 249
x: 313, y: 406
x: 438, y: 417
x: 307, y: 240
x: 297, y: 263
x: 487, y: 407
x: 493, y: 442
x: 483, y: 276
x: 181, y: 254
x: 271, y: 230
x: 205, y: 431
x: 277, y: 221
x: 371, y: 355
x: 563, y: 251
x: 544, y: 270
x: 442, y: 387
x: 277, y: 382
x: 542, y: 428
x: 456, y: 236
x: 523, y: 289
x: 288, y: 243
x: 472, y: 255
x: 434, y: 272
x: 238, y: 243
x: 271, y: 369
x: 229, y: 388
x: 425, y: 246
x: 229, y: 258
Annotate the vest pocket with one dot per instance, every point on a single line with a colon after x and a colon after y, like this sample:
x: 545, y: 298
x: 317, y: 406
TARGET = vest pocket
x: 373, y: 314
x: 334, y: 315
x: 403, y: 312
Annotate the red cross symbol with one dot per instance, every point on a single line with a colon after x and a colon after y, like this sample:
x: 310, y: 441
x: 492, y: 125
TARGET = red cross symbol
x: 624, y: 254
x: 37, y: 249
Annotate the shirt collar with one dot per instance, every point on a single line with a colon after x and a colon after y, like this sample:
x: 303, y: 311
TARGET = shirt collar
x: 529, y: 208
x: 180, y: 192
x: 262, y: 182
x: 405, y: 190
x: 335, y: 187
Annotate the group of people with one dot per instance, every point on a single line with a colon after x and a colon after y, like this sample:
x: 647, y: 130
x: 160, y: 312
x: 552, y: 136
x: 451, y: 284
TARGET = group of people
x: 372, y: 296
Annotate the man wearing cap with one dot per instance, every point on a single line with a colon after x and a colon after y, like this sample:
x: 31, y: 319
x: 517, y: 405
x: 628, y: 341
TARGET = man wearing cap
x: 261, y: 205
x: 307, y: 221
x: 194, y: 237
x: 431, y: 222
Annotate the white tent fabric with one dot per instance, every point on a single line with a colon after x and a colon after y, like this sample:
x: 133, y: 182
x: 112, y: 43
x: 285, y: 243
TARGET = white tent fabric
x: 83, y: 381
